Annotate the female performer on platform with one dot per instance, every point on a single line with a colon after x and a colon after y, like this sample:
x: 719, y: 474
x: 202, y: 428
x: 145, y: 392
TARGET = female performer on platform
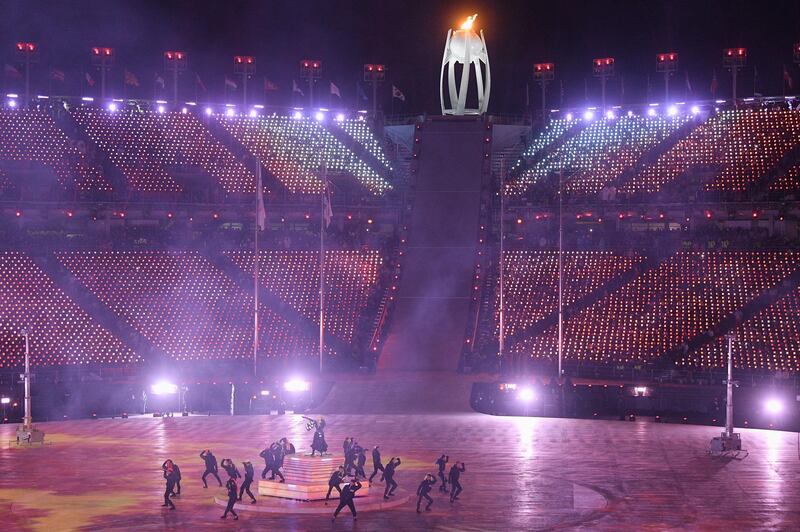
x: 318, y: 444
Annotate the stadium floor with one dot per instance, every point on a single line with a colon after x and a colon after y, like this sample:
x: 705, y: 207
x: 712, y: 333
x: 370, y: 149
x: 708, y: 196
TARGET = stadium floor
x: 521, y: 474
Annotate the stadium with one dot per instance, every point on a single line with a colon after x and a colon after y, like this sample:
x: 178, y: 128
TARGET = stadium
x: 563, y: 280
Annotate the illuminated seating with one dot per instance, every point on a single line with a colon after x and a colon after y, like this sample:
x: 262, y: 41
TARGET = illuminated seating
x: 351, y: 277
x: 736, y: 146
x: 185, y: 305
x: 61, y: 333
x: 600, y: 152
x: 531, y: 282
x: 362, y: 133
x: 770, y: 340
x: 554, y: 130
x: 146, y: 146
x: 788, y: 181
x: 32, y: 136
x: 686, y: 295
x: 295, y: 149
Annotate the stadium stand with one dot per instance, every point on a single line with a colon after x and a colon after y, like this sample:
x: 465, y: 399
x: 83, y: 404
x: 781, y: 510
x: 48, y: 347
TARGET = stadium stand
x: 736, y: 146
x: 33, y: 136
x: 788, y: 181
x: 599, y: 153
x: 531, y: 282
x: 351, y: 278
x: 147, y: 146
x: 363, y: 134
x: 767, y: 341
x: 294, y: 149
x: 61, y: 332
x: 686, y: 295
x: 184, y: 305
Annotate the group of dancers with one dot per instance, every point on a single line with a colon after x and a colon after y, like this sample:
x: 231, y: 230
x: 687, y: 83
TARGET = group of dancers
x: 355, y: 457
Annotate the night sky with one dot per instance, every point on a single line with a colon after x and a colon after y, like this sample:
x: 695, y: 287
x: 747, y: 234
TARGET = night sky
x: 408, y: 36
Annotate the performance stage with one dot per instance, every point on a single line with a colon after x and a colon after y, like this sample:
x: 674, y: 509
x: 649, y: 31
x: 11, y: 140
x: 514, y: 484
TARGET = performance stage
x: 521, y: 474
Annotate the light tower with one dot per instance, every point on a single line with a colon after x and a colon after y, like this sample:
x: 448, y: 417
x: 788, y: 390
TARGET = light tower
x: 26, y: 433
x: 667, y: 63
x: 246, y: 66
x: 374, y: 74
x: 311, y: 71
x: 466, y: 47
x: 28, y: 53
x: 544, y: 73
x: 733, y: 59
x: 102, y: 58
x: 174, y: 62
x: 728, y: 440
x: 603, y: 68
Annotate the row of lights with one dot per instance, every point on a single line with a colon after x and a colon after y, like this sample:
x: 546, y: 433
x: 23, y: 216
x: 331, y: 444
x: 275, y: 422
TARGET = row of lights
x: 652, y: 111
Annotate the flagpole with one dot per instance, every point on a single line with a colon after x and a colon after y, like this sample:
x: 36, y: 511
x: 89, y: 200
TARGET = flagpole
x: 255, y: 271
x: 322, y: 265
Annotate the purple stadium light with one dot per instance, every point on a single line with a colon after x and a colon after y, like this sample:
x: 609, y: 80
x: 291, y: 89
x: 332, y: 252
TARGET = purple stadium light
x: 5, y: 400
x: 164, y: 388
x: 209, y: 111
x: 773, y: 406
x: 253, y: 113
x: 526, y: 395
x: 569, y: 117
x: 651, y: 111
x: 588, y: 115
x: 12, y: 103
x: 229, y: 111
x: 112, y: 107
x: 297, y: 115
x: 340, y: 117
x: 161, y: 109
x: 695, y: 109
x: 610, y: 115
x: 296, y: 385
x: 672, y: 110
x: 319, y: 116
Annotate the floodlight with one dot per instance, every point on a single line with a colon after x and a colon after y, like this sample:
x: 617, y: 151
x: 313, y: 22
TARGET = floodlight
x: 773, y: 406
x: 296, y: 385
x: 164, y: 388
x: 526, y: 395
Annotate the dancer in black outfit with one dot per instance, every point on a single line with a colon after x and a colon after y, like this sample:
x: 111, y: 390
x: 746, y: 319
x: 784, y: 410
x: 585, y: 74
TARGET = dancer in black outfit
x: 249, y: 472
x: 277, y: 461
x: 170, y: 477
x: 266, y: 454
x: 349, y: 448
x: 288, y: 448
x: 211, y: 467
x: 230, y: 468
x: 388, y: 475
x: 376, y: 463
x: 441, y: 463
x: 361, y: 459
x: 424, y: 489
x: 232, y: 493
x: 333, y: 483
x: 455, y: 475
x: 346, y: 498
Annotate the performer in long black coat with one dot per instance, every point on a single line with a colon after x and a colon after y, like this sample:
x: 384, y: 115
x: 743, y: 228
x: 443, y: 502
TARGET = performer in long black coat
x: 170, y: 478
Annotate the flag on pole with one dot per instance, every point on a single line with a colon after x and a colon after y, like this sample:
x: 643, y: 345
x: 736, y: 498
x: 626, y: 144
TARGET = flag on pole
x: 131, y: 79
x: 714, y: 84
x: 335, y: 90
x: 361, y: 94
x: 269, y: 85
x: 261, y: 211
x: 199, y: 82
x: 159, y: 81
x: 56, y: 74
x: 12, y: 72
x: 788, y: 78
x: 688, y: 83
x: 297, y: 89
x: 230, y: 84
x: 327, y: 211
x: 89, y: 79
x: 396, y: 93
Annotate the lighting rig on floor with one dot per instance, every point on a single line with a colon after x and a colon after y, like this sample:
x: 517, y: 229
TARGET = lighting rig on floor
x: 728, y: 441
